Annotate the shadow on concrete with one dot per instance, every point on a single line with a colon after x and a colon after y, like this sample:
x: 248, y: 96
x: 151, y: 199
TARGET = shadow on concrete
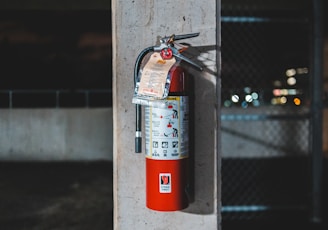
x: 203, y: 146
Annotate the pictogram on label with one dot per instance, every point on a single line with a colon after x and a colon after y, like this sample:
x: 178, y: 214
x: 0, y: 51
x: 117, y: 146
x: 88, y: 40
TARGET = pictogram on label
x: 165, y: 183
x: 167, y: 129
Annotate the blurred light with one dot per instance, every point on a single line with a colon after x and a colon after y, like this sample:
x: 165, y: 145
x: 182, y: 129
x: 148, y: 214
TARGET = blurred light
x: 244, y: 104
x: 235, y: 98
x: 280, y: 92
x: 274, y: 101
x: 291, y: 81
x: 286, y: 92
x: 283, y: 100
x: 247, y: 90
x: 255, y: 95
x: 248, y: 98
x: 244, y: 19
x: 292, y: 92
x: 297, y: 101
x: 278, y: 100
x: 302, y: 70
x: 277, y: 83
x: 244, y: 208
x: 276, y: 92
x: 227, y: 103
x: 290, y: 72
x: 256, y: 103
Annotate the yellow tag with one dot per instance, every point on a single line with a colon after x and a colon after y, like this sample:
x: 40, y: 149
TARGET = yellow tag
x: 154, y: 75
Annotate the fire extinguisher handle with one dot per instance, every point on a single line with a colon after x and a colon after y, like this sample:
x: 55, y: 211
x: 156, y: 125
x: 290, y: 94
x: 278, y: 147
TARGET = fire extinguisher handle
x: 185, y: 36
x: 170, y: 39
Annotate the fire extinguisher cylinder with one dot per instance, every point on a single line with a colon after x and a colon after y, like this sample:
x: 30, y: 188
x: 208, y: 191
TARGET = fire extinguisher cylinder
x: 168, y: 137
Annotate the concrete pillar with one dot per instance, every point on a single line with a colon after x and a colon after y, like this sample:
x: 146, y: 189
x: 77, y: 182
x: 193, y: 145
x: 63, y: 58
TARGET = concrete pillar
x: 137, y: 25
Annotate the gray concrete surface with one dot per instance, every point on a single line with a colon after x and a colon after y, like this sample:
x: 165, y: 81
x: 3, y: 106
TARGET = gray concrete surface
x: 137, y: 25
x: 56, y: 134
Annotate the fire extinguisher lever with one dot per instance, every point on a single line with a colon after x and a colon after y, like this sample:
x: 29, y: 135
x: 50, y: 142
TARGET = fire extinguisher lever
x: 170, y: 39
x: 178, y: 55
x: 185, y: 36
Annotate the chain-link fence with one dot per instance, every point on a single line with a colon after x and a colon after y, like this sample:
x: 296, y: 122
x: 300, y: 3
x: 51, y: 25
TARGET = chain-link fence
x: 265, y: 109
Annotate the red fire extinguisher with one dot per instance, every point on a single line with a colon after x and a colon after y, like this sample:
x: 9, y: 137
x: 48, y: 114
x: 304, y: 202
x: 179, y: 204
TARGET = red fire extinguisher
x: 167, y: 119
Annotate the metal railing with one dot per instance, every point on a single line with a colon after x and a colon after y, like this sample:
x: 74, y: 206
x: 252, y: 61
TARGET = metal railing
x: 55, y: 98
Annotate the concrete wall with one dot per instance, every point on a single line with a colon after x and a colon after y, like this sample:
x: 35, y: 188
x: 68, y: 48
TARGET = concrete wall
x: 137, y: 25
x: 56, y: 134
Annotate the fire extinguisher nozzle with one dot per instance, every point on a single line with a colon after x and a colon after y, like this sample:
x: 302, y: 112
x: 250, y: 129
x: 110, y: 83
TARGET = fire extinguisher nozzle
x: 138, y: 144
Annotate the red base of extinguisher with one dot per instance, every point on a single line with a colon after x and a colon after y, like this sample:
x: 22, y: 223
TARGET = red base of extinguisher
x: 167, y: 184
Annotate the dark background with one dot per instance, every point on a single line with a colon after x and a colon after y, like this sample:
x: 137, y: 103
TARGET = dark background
x: 44, y: 49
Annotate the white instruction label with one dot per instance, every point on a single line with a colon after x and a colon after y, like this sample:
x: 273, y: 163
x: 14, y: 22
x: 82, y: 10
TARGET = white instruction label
x: 154, y: 76
x: 167, y: 129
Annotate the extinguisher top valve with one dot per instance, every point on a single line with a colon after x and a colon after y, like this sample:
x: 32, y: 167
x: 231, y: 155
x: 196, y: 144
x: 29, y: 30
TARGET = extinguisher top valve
x: 168, y: 50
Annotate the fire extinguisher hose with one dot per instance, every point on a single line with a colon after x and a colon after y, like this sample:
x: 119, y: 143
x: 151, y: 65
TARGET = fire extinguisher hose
x: 138, y: 137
